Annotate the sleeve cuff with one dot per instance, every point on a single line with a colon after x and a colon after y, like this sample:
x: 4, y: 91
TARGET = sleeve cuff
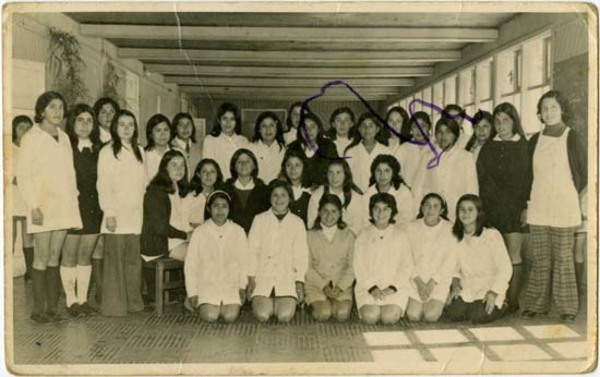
x: 393, y: 288
x: 372, y: 289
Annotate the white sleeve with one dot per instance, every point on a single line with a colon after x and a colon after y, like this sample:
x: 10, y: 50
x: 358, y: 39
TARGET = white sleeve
x: 364, y: 277
x: 502, y: 261
x: 300, y: 251
x: 243, y: 257
x: 471, y: 181
x: 192, y: 265
x: 208, y: 148
x: 105, y: 184
x: 313, y: 211
x: 254, y: 245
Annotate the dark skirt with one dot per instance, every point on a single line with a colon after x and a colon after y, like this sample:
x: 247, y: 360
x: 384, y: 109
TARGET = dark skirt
x: 91, y: 216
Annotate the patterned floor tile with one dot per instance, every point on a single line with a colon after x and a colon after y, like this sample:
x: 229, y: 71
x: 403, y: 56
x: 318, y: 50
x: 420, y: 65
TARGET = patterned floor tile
x: 440, y: 336
x: 487, y: 334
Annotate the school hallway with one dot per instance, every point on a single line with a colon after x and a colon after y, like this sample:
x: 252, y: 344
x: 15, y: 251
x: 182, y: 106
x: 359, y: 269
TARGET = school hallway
x: 181, y: 339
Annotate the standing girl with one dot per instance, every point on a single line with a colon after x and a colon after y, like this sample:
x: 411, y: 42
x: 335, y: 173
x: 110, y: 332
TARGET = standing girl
x: 559, y: 177
x: 158, y: 135
x: 292, y: 121
x: 278, y: 258
x: 216, y: 264
x: 364, y: 148
x: 484, y: 130
x: 385, y: 177
x: 382, y: 265
x: 249, y: 195
x: 268, y: 145
x: 397, y: 118
x: 207, y: 178
x: 435, y: 262
x: 76, y: 268
x: 48, y: 186
x: 410, y: 154
x: 292, y: 171
x: 316, y: 149
x: 121, y: 187
x: 183, y: 137
x: 339, y: 183
x: 342, y: 126
x: 330, y: 271
x: 479, y: 288
x: 105, y: 109
x: 502, y: 167
x: 20, y: 125
x: 225, y: 137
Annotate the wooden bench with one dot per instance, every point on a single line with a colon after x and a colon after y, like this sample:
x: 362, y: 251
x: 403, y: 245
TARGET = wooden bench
x: 164, y: 267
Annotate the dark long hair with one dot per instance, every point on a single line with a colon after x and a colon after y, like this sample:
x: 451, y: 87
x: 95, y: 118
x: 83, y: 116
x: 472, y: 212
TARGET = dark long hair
x: 162, y: 180
x: 196, y: 182
x: 291, y: 153
x: 42, y: 102
x: 116, y: 140
x: 459, y: 229
x: 443, y: 213
x: 175, y: 122
x: 349, y: 186
x: 16, y: 121
x: 404, y: 127
x: 154, y: 121
x: 418, y: 118
x: 233, y: 161
x: 393, y: 163
x: 380, y: 137
x: 70, y: 126
x: 330, y: 199
x: 224, y: 108
x: 301, y: 126
x: 388, y: 199
x: 288, y: 118
x: 477, y: 118
x: 508, y: 109
x: 103, y: 101
x: 279, y: 133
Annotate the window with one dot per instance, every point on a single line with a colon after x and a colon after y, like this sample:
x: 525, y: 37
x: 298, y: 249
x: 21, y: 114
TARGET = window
x: 449, y: 90
x: 426, y: 93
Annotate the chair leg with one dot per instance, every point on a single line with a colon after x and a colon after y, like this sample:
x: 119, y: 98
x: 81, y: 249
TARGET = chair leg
x: 159, y: 289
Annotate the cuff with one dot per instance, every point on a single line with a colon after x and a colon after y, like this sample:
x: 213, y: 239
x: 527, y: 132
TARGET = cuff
x: 393, y: 288
x: 372, y: 289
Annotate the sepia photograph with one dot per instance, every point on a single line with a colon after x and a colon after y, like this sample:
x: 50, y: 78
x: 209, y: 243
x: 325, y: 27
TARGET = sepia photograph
x: 300, y: 188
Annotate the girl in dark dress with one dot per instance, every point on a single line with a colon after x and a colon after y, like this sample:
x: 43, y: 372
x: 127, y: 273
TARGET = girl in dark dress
x: 76, y: 263
x: 317, y: 150
x: 292, y: 171
x: 502, y: 167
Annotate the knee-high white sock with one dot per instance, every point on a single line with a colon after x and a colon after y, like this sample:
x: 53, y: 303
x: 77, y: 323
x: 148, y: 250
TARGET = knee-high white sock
x: 67, y: 276
x: 83, y: 282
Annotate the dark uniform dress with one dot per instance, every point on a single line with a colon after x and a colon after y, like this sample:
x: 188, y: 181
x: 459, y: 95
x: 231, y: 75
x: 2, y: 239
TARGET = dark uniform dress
x: 299, y: 207
x: 315, y: 169
x: 246, y: 204
x: 86, y: 171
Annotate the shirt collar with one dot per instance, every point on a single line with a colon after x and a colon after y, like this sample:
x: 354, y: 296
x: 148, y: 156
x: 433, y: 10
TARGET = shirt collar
x: 516, y: 137
x: 238, y: 185
x: 182, y: 144
x: 87, y: 143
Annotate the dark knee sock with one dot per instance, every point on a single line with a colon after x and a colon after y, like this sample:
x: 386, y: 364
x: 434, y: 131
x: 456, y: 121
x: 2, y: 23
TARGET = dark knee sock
x: 149, y: 276
x: 579, y: 270
x: 514, y: 288
x: 39, y: 290
x: 53, y: 285
x: 97, y: 265
x: 28, y: 254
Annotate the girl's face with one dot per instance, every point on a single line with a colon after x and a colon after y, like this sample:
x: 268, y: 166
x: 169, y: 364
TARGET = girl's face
x: 330, y: 215
x: 54, y: 112
x: 336, y: 176
x: 432, y: 209
x: 227, y: 122
x: 106, y: 115
x: 445, y: 138
x: 416, y: 133
x: 219, y: 211
x: 208, y: 175
x: 176, y: 168
x: 504, y: 126
x: 395, y: 120
x: 312, y: 129
x: 268, y: 130
x: 185, y: 129
x: 161, y: 134
x: 84, y: 124
x: 125, y: 128
x: 381, y: 214
x: 383, y: 174
x: 280, y: 200
x: 21, y: 130
x: 342, y: 124
x: 368, y: 130
x: 483, y: 131
x: 294, y: 168
x: 467, y: 213
x: 295, y: 116
x: 551, y: 112
x: 244, y: 166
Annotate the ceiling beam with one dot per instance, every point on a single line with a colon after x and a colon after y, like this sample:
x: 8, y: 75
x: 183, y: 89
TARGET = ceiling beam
x: 339, y: 57
x: 257, y: 93
x: 287, y: 98
x: 317, y: 72
x: 266, y: 34
x: 284, y: 82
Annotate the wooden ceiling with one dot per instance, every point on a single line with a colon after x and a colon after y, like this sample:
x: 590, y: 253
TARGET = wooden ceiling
x: 288, y: 56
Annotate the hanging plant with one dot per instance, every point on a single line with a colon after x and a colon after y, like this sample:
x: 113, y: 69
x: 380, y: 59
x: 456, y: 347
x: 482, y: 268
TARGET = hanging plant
x: 66, y: 66
x: 112, y: 78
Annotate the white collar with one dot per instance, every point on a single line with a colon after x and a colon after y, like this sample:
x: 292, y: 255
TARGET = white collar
x: 87, y: 143
x: 329, y: 232
x: 238, y: 185
x: 182, y: 144
x: 516, y: 137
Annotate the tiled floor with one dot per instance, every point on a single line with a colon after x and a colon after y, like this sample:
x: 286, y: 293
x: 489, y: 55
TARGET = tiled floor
x: 176, y: 338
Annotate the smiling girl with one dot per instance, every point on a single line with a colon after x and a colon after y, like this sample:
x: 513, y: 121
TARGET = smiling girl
x: 105, y: 109
x: 397, y: 118
x: 183, y: 137
x: 292, y: 171
x: 268, y: 145
x: 483, y: 130
x: 410, y: 154
x: 207, y: 178
x: 342, y: 127
x: 158, y: 134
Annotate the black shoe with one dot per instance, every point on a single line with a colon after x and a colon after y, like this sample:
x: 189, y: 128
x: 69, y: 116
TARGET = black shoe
x: 40, y: 318
x: 54, y: 317
x: 87, y: 310
x: 27, y: 277
x: 528, y: 314
x: 75, y: 311
x: 569, y: 318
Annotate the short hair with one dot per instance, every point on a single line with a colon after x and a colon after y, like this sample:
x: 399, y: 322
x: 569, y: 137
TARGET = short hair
x: 393, y: 163
x: 330, y: 199
x: 562, y: 102
x: 18, y: 120
x: 103, y: 101
x: 480, y: 116
x: 279, y: 126
x: 70, y: 126
x: 196, y: 182
x: 223, y: 109
x: 163, y: 181
x: 280, y: 183
x: 233, y: 161
x: 357, y: 136
x: 443, y: 213
x: 175, y: 123
x: 383, y: 197
x: 43, y: 101
x: 451, y: 124
x: 154, y: 121
x: 508, y: 109
x: 459, y: 229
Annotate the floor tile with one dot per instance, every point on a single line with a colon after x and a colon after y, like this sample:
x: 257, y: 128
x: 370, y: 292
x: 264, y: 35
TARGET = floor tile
x: 552, y: 332
x: 456, y: 359
x: 486, y: 334
x: 520, y: 352
x: 440, y: 336
x: 388, y: 338
x: 397, y: 356
x: 572, y: 350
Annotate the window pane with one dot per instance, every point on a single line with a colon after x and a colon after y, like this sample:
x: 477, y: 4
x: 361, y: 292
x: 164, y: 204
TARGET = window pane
x: 533, y: 59
x: 450, y: 90
x: 484, y: 80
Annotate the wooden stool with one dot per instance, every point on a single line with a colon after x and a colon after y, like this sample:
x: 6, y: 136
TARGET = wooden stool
x: 164, y: 267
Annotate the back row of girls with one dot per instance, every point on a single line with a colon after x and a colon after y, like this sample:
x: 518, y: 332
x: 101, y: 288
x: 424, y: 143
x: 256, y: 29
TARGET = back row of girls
x: 142, y: 202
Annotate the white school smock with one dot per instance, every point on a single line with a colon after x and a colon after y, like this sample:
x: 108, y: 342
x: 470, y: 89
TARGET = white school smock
x: 356, y: 215
x: 382, y: 258
x: 290, y: 136
x: 121, y: 188
x: 18, y: 206
x: 554, y: 198
x: 404, y: 202
x: 483, y: 265
x: 197, y: 205
x: 269, y: 159
x: 221, y: 148
x: 409, y: 156
x: 153, y: 162
x: 180, y: 217
x: 191, y: 151
x: 105, y: 136
x: 46, y: 180
x: 340, y: 144
x: 360, y: 162
x: 215, y: 266
x: 454, y: 176
x: 278, y: 253
x: 434, y: 257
